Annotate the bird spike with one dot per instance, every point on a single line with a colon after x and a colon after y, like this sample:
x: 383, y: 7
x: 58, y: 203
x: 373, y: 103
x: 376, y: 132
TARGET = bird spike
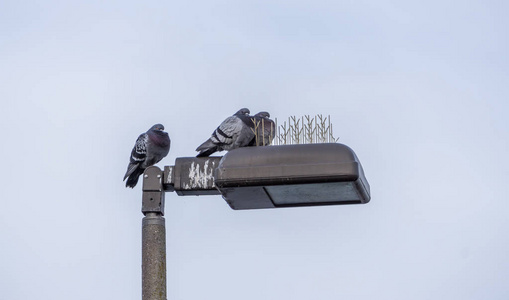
x: 255, y: 130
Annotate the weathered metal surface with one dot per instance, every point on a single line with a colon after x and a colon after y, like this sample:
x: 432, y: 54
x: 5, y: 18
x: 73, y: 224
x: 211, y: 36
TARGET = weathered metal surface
x: 153, y: 193
x: 153, y: 257
x: 270, y: 177
x: 194, y: 176
x: 152, y: 179
x: 291, y: 175
x: 169, y: 178
x: 153, y: 202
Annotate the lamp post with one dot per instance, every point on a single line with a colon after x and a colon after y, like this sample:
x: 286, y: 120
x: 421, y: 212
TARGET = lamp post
x: 153, y: 236
x: 247, y: 178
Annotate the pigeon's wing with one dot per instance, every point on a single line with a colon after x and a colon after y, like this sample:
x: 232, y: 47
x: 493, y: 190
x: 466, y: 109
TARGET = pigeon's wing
x: 138, y: 154
x: 225, y: 137
x: 228, y: 129
x: 222, y: 135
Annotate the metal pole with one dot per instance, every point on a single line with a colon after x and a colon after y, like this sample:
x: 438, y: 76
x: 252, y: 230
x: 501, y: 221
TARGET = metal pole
x: 153, y: 257
x: 153, y: 236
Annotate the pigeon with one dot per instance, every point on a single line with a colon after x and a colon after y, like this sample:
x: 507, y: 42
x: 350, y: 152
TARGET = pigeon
x: 264, y: 129
x: 150, y: 148
x: 234, y: 132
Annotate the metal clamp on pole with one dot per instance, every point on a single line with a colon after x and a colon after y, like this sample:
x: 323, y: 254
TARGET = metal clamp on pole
x: 153, y: 193
x: 153, y: 236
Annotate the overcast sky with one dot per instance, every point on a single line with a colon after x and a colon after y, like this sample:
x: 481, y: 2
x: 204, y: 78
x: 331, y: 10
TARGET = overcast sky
x: 418, y: 89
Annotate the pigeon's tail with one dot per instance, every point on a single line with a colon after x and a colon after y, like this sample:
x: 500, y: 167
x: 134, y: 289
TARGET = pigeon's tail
x: 206, y: 145
x: 207, y: 148
x: 132, y: 180
x: 207, y: 152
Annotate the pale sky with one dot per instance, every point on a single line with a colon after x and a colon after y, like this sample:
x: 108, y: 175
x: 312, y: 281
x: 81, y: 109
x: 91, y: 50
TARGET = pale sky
x: 418, y: 89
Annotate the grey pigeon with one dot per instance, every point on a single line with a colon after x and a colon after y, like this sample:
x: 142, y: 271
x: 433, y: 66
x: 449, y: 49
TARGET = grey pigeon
x: 264, y: 128
x: 150, y: 148
x: 234, y: 132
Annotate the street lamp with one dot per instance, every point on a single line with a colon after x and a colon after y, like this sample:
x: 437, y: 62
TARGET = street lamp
x: 248, y: 178
x: 274, y: 176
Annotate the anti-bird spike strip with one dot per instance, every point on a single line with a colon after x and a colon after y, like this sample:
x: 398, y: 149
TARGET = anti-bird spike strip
x: 304, y: 130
